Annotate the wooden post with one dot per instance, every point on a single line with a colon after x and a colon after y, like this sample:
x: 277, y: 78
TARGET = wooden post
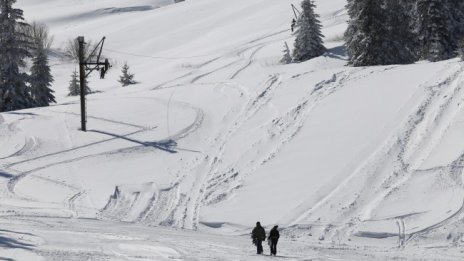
x: 81, y: 42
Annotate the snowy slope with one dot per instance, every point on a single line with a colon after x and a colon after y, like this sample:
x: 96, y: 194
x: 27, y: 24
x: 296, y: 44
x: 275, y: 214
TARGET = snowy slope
x: 219, y: 134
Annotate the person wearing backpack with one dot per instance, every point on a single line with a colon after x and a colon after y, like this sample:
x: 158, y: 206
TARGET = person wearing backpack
x: 258, y: 235
x: 274, y: 236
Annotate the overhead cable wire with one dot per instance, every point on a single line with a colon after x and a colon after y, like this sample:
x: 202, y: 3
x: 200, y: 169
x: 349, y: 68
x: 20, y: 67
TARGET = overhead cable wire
x: 156, y: 57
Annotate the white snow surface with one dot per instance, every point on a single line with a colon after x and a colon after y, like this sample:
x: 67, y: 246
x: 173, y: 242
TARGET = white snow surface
x: 218, y: 134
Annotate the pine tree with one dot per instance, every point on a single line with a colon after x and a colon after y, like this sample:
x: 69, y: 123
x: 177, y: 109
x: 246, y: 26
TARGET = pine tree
x: 435, y: 30
x: 127, y: 78
x: 371, y: 35
x: 14, y: 46
x: 457, y: 22
x: 287, y: 58
x: 41, y: 79
x: 308, y: 43
x: 361, y: 39
x: 400, y: 45
x: 461, y: 50
x: 75, y: 86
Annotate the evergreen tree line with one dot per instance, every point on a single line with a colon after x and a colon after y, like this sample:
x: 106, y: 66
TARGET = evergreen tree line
x: 20, y: 41
x: 383, y: 32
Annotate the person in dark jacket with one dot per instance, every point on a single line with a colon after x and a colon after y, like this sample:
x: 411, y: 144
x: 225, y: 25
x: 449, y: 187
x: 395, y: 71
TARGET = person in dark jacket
x: 258, y: 235
x: 273, y: 239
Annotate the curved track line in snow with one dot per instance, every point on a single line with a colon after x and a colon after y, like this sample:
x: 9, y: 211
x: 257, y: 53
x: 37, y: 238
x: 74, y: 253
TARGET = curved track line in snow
x: 281, y: 130
x: 161, y: 86
x: 234, y: 52
x: 207, y: 166
x: 169, y: 209
x: 250, y: 62
x: 60, y: 153
x: 431, y: 105
x: 29, y: 141
x: 105, y: 120
x: 201, y: 76
x: 184, y: 132
x: 13, y: 182
x: 320, y: 92
x: 418, y: 119
x: 238, y: 54
x: 29, y: 144
x: 189, y: 129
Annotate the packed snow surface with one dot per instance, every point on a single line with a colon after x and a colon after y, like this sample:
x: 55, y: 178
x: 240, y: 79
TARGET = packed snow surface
x: 218, y: 134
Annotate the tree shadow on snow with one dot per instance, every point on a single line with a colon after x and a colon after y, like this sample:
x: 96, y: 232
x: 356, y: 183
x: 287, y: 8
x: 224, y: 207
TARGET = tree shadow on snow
x: 6, y: 176
x: 10, y: 243
x: 16, y: 232
x: 22, y: 113
x: 69, y: 150
x: 167, y: 146
x: 338, y: 52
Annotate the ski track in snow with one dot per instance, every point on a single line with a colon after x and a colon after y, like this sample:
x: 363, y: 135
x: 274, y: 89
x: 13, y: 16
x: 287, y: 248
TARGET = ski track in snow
x: 77, y: 193
x: 229, y: 182
x: 11, y: 129
x: 190, y: 205
x: 281, y: 131
x: 29, y: 144
x: 212, y: 184
x: 433, y: 104
x: 250, y: 62
x: 210, y: 178
x: 238, y: 53
x: 192, y: 210
x: 426, y: 142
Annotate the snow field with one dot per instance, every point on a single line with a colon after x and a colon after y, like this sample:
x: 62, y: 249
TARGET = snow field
x: 218, y: 135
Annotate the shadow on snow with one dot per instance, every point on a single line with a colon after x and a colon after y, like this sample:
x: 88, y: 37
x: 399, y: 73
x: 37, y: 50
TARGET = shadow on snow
x: 167, y: 146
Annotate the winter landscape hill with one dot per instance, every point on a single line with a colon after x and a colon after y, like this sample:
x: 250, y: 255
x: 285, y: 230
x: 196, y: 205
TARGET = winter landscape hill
x: 350, y: 162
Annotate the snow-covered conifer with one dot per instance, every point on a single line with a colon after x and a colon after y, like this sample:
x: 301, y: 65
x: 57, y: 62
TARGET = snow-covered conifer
x: 435, y: 30
x: 457, y: 21
x: 287, y: 58
x: 14, y: 46
x: 400, y: 45
x: 41, y: 79
x: 74, y: 85
x: 308, y: 43
x: 126, y: 78
x: 374, y: 36
x: 461, y: 50
x: 362, y: 39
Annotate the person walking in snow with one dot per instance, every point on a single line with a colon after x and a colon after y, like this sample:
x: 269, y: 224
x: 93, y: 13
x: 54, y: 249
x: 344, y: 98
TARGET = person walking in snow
x: 258, y: 235
x: 293, y: 25
x: 273, y: 239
